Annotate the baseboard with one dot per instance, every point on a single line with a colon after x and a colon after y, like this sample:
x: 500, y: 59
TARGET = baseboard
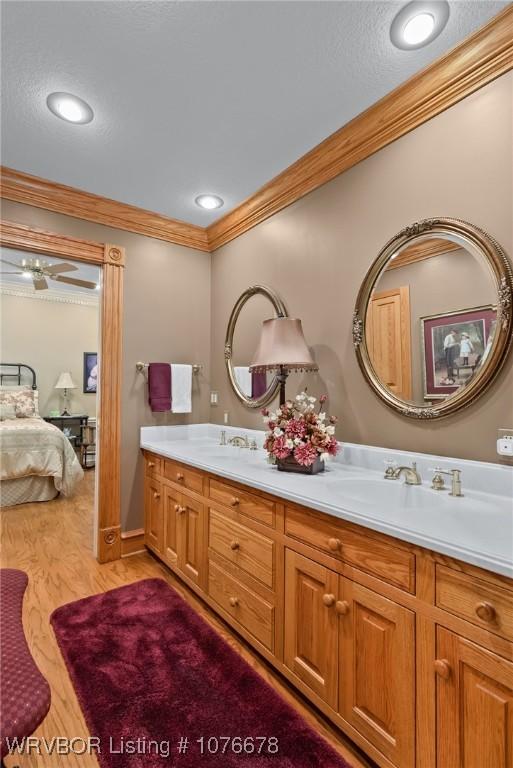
x: 132, y: 542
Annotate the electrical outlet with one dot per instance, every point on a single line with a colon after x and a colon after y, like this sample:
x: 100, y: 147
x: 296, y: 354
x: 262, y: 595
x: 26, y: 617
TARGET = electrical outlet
x: 214, y: 398
x: 505, y: 443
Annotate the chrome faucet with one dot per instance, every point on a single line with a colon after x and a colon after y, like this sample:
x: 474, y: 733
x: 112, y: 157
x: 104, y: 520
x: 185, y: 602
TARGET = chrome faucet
x: 239, y: 441
x: 222, y: 440
x: 411, y: 475
x: 438, y: 481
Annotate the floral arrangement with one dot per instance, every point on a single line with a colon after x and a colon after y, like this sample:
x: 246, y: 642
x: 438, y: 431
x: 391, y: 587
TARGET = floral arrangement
x: 297, y: 429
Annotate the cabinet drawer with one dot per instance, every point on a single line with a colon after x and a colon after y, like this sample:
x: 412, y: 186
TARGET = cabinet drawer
x: 250, y: 610
x: 153, y: 466
x: 379, y: 558
x: 187, y: 478
x: 243, y: 501
x: 487, y: 605
x: 247, y: 549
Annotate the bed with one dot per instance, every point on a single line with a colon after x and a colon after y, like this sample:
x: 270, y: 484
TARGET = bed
x: 37, y: 461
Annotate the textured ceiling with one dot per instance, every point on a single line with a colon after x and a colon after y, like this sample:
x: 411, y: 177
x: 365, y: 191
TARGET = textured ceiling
x: 193, y: 97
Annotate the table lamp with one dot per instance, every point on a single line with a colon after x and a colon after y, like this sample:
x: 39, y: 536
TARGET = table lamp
x: 65, y: 382
x: 282, y: 348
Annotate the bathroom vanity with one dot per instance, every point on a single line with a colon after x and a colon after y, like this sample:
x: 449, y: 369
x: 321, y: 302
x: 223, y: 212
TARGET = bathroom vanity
x: 389, y: 606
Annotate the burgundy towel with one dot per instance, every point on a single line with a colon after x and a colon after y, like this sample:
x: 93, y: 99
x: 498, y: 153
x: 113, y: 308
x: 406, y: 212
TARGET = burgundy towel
x: 159, y: 387
x: 258, y: 384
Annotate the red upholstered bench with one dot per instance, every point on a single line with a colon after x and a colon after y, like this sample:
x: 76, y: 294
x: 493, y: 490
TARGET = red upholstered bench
x: 24, y: 692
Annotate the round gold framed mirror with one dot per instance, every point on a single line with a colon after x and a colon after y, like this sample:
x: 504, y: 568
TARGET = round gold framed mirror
x: 433, y: 322
x: 256, y: 304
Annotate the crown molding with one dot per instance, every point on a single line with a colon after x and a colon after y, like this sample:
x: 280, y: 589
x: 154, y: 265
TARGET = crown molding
x: 482, y: 57
x: 59, y: 297
x: 42, y: 193
x: 426, y: 249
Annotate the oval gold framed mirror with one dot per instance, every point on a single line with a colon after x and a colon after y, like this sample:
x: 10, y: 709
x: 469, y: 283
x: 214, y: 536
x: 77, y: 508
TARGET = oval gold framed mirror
x: 432, y: 323
x: 255, y: 305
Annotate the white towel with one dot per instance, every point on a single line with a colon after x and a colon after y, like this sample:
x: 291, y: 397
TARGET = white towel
x: 181, y: 388
x: 243, y: 379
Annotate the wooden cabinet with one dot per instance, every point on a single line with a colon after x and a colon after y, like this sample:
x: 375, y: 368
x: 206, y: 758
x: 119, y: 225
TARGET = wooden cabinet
x: 154, y: 516
x: 311, y: 626
x: 474, y: 701
x: 407, y: 652
x: 377, y: 670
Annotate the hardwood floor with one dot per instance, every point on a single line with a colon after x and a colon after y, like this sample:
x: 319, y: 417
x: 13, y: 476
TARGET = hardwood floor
x: 52, y: 542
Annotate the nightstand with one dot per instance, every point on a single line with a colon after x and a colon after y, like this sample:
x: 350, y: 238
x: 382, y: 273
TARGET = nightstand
x: 76, y: 424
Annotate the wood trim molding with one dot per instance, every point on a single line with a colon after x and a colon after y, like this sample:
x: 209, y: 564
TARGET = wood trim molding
x: 41, y: 193
x: 132, y: 542
x: 420, y: 251
x: 478, y: 60
x: 111, y: 258
x: 481, y: 58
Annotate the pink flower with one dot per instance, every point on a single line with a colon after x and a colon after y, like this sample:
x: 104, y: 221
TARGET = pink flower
x: 296, y: 428
x: 265, y: 411
x: 323, y: 399
x: 332, y: 447
x: 305, y: 454
x: 280, y: 448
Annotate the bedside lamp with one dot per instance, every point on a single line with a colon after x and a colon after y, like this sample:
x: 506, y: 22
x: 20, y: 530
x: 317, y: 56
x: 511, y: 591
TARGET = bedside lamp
x: 282, y: 348
x: 65, y: 382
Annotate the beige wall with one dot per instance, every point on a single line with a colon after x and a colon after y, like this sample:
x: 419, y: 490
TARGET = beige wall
x: 316, y: 252
x: 446, y: 283
x: 166, y: 318
x: 51, y: 337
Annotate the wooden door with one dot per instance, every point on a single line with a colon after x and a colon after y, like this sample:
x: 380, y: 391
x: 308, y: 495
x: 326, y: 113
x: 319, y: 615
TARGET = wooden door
x: 172, y: 512
x: 153, y: 507
x: 377, y: 670
x: 191, y: 541
x: 311, y: 633
x: 474, y: 705
x: 388, y: 337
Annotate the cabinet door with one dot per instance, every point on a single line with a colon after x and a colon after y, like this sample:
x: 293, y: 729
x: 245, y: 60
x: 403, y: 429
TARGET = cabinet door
x: 474, y: 705
x: 311, y: 624
x: 376, y: 672
x: 172, y: 512
x: 191, y: 540
x: 153, y: 512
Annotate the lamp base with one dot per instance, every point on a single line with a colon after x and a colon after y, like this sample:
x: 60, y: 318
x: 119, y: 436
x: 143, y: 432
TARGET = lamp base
x: 65, y: 412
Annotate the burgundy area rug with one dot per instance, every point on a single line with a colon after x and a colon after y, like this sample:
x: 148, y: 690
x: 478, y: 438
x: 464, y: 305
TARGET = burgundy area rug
x: 153, y: 677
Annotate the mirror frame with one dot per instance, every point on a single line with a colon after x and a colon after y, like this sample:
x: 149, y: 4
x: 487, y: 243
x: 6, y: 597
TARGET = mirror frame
x: 503, y: 278
x: 281, y: 311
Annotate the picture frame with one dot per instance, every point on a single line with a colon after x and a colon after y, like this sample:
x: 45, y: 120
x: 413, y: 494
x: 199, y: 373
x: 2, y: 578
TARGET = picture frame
x: 90, y: 382
x: 454, y: 346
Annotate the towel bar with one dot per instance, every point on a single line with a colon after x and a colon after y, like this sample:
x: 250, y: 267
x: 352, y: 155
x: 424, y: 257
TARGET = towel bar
x: 142, y: 367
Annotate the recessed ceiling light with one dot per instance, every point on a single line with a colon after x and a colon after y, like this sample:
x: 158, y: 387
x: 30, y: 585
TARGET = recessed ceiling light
x: 209, y: 202
x: 418, y: 23
x: 69, y: 107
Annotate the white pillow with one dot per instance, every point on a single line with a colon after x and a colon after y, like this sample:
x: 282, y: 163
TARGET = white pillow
x: 24, y: 400
x: 7, y: 411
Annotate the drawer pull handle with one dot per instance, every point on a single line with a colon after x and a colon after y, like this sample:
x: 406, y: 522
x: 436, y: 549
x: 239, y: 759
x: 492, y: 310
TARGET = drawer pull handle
x: 485, y: 611
x: 342, y: 607
x: 181, y: 510
x: 328, y: 600
x: 179, y: 476
x: 156, y: 495
x: 234, y: 601
x: 334, y: 544
x: 234, y: 545
x: 235, y: 501
x: 151, y: 464
x: 443, y: 668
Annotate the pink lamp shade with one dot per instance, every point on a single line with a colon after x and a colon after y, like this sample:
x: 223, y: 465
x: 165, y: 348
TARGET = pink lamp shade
x: 282, y: 345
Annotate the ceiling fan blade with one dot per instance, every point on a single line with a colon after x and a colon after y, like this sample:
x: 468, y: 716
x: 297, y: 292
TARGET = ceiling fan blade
x: 74, y: 281
x: 40, y: 284
x: 11, y: 263
x: 56, y: 268
x: 10, y: 273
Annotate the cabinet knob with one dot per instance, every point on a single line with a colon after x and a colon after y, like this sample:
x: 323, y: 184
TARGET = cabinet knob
x: 181, y: 510
x: 177, y: 507
x: 235, y: 501
x: 334, y: 544
x: 485, y: 611
x: 328, y: 600
x: 342, y: 607
x: 234, y: 601
x: 234, y: 545
x: 151, y: 464
x: 156, y: 495
x: 179, y: 476
x: 442, y: 668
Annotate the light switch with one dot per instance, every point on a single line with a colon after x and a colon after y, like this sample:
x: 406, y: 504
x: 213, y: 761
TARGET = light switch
x: 214, y: 398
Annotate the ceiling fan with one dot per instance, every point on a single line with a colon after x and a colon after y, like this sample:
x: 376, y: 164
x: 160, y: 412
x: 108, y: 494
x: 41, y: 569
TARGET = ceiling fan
x: 39, y: 270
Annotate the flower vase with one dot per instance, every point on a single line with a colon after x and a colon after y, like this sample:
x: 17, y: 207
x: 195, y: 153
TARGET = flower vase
x: 291, y: 465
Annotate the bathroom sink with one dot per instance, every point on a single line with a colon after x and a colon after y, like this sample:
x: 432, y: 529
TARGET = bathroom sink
x: 380, y: 493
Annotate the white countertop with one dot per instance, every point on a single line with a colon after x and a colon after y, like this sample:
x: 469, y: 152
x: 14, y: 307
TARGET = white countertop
x: 476, y: 529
